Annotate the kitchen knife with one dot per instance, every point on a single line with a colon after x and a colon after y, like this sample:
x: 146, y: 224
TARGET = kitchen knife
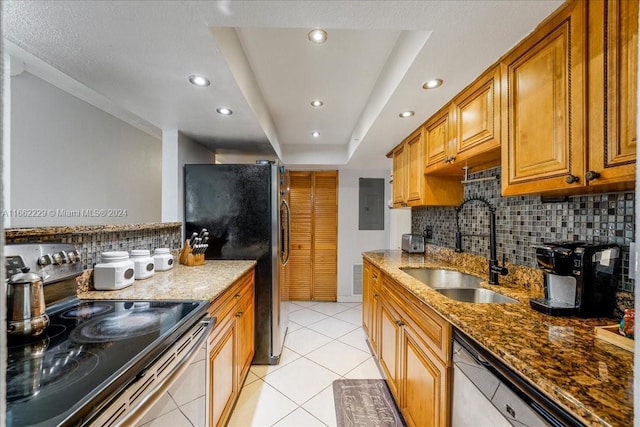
x: 201, y: 235
x: 192, y: 239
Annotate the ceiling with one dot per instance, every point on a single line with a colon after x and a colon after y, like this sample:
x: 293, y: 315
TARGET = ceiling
x: 133, y: 59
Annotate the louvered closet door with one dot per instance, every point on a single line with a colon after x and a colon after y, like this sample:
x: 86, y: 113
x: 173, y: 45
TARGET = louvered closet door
x: 299, y: 265
x: 325, y: 236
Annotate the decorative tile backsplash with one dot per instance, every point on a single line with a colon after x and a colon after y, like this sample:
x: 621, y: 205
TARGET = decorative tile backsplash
x: 525, y: 221
x: 90, y: 241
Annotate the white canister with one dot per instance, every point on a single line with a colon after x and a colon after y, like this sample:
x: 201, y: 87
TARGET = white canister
x: 116, y: 271
x: 143, y: 263
x: 163, y: 259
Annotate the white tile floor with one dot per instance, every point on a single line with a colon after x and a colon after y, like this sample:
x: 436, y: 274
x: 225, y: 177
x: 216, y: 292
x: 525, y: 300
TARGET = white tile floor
x: 325, y: 342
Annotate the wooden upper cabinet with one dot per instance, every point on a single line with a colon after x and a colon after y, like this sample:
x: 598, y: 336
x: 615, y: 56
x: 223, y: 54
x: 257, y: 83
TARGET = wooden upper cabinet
x: 399, y: 176
x: 411, y: 187
x: 466, y: 132
x: 476, y: 122
x: 613, y: 74
x: 415, y: 168
x: 543, y: 108
x: 438, y: 144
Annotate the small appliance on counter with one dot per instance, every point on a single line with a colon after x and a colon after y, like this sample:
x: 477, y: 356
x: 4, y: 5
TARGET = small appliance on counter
x: 116, y: 271
x: 580, y: 279
x: 413, y: 243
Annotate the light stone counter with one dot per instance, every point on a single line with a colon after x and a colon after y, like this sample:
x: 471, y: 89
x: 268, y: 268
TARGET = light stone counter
x: 199, y: 283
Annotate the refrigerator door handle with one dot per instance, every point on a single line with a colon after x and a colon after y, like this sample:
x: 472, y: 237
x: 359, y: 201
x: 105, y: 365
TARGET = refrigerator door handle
x: 285, y: 232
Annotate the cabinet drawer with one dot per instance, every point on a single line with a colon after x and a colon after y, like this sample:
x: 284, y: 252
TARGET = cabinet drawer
x: 429, y: 326
x: 225, y: 303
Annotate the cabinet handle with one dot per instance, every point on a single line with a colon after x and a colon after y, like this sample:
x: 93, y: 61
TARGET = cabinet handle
x: 571, y: 179
x: 399, y: 323
x: 376, y: 296
x: 239, y: 314
x: 237, y: 296
x: 591, y: 175
x: 374, y: 276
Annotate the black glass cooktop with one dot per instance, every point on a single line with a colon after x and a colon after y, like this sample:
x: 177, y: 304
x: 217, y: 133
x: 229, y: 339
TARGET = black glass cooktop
x: 88, y: 353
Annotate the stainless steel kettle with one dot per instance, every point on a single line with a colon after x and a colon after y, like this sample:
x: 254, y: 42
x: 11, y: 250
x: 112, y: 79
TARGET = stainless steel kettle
x: 26, y: 306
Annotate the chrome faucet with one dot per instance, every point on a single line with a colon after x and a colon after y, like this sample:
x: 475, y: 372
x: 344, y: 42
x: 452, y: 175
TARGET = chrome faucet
x: 495, y: 270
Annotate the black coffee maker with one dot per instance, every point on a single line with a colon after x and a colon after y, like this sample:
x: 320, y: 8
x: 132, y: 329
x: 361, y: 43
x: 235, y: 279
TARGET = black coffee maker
x: 580, y: 279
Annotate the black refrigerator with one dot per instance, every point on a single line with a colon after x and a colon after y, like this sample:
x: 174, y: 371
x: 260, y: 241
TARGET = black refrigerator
x: 244, y: 209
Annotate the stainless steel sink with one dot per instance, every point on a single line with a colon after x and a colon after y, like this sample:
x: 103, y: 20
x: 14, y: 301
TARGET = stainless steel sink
x: 441, y: 278
x: 476, y: 295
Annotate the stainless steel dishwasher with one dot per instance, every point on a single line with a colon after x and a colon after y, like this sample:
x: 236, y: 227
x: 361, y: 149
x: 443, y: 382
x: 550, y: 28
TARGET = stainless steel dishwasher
x: 488, y: 393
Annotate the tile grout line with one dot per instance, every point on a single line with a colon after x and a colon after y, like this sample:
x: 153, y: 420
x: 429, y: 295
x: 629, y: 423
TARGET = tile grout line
x: 307, y: 359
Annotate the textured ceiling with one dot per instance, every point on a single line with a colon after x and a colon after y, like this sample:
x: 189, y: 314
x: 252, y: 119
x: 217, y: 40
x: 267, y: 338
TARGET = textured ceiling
x: 132, y: 58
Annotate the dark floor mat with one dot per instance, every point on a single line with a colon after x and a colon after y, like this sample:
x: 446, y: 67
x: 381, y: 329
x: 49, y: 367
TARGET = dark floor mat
x: 365, y: 403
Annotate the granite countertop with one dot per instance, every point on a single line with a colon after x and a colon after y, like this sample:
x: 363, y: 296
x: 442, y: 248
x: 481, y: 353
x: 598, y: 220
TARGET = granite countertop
x: 560, y: 355
x: 12, y: 233
x: 198, y: 283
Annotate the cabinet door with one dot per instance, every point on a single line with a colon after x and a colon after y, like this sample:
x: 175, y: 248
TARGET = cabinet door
x: 477, y: 121
x: 324, y: 255
x: 245, y: 323
x: 399, y: 176
x: 438, y: 139
x: 389, y: 345
x: 424, y: 380
x: 301, y: 228
x: 613, y: 74
x: 543, y: 110
x: 222, y: 372
x: 415, y: 176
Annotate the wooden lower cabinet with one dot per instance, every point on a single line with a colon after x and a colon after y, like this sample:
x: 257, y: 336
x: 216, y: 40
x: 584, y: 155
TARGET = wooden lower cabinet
x: 223, y: 382
x: 425, y: 377
x: 245, y: 320
x: 370, y: 294
x: 413, y: 349
x: 388, y: 354
x: 230, y: 348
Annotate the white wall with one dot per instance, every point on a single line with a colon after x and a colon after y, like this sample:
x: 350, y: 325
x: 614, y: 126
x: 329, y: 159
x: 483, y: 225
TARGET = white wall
x: 67, y: 155
x: 351, y: 241
x: 399, y: 224
x: 189, y: 153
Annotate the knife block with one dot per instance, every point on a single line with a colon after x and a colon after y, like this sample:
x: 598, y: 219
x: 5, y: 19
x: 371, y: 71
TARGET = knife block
x: 188, y: 258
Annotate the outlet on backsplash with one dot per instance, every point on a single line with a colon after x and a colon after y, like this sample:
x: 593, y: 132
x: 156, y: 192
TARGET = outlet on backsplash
x: 428, y: 233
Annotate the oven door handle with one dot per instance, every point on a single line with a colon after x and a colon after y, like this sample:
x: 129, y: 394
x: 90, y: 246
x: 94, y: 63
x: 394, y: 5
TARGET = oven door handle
x: 139, y: 410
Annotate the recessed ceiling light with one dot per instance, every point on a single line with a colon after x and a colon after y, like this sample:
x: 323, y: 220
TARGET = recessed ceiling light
x: 318, y: 36
x: 224, y: 111
x: 200, y: 81
x: 317, y: 103
x: 315, y: 134
x: 406, y: 114
x: 432, y: 84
